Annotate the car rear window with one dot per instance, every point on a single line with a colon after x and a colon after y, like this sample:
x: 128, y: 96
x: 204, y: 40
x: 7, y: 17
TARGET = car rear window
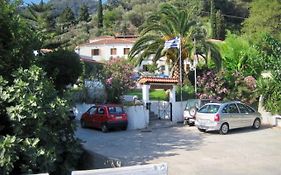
x: 211, y: 109
x: 115, y: 110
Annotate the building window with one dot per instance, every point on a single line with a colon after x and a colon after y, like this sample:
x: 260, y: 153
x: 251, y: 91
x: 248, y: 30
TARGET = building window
x: 95, y: 52
x: 126, y: 51
x: 113, y: 51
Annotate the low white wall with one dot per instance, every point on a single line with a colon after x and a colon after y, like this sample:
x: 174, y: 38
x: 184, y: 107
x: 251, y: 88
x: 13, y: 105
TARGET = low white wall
x: 267, y: 117
x: 178, y: 108
x: 138, y: 117
x: 80, y: 109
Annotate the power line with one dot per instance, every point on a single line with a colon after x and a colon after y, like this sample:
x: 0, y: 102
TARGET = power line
x: 230, y: 16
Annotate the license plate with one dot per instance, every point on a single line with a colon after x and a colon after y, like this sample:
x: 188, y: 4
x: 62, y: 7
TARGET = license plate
x: 118, y: 117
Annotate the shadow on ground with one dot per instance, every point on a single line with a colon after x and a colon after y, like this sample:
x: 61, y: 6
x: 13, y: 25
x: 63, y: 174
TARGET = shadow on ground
x: 137, y: 147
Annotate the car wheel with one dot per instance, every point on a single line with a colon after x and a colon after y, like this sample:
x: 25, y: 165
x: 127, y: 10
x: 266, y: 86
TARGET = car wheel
x: 201, y: 130
x: 224, y: 129
x: 83, y: 124
x: 124, y: 128
x: 104, y: 128
x: 257, y: 124
x: 192, y: 111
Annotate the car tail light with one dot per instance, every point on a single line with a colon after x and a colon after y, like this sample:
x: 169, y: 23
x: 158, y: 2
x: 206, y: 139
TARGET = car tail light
x: 217, y: 118
x: 111, y: 116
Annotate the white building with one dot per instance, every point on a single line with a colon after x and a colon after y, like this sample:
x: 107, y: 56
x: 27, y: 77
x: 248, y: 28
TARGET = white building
x: 104, y: 48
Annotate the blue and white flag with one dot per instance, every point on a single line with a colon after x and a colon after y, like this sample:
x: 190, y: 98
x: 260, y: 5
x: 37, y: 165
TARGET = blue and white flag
x: 173, y: 43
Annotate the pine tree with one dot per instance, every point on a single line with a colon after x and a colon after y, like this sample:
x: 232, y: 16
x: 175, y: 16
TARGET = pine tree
x: 213, y: 19
x: 84, y: 13
x: 67, y: 16
x: 100, y: 15
x: 220, y: 26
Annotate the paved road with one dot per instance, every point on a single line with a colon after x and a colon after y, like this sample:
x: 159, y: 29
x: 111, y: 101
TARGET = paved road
x: 187, y: 151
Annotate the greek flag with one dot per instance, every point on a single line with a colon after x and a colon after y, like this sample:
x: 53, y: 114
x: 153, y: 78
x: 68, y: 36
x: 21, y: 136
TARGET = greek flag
x: 173, y: 43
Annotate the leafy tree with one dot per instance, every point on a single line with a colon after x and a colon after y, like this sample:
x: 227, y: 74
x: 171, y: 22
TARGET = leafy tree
x: 64, y: 67
x: 17, y: 40
x: 264, y: 18
x: 42, y: 136
x: 84, y: 13
x: 239, y: 55
x: 100, y: 15
x: 270, y: 87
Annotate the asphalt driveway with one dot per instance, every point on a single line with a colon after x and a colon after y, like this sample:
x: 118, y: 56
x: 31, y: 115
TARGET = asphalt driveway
x: 187, y: 151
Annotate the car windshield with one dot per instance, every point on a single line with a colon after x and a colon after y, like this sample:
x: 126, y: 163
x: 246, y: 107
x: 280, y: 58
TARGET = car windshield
x: 211, y: 108
x: 115, y: 110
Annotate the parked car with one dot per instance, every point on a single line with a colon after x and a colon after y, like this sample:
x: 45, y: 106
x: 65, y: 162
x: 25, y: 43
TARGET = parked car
x: 105, y: 117
x: 225, y: 116
x: 191, y: 108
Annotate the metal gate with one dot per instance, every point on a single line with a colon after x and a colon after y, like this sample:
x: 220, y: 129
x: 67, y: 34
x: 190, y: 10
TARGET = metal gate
x: 165, y: 110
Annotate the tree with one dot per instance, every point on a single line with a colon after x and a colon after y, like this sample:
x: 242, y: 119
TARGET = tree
x: 67, y: 16
x: 64, y: 67
x: 164, y: 25
x: 220, y: 26
x: 40, y: 17
x: 100, y: 15
x: 264, y: 18
x: 17, y: 40
x: 84, y: 13
x: 42, y: 136
x: 213, y: 20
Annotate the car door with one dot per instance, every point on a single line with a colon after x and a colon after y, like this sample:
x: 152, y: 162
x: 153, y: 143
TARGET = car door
x: 246, y: 116
x: 91, y: 116
x: 100, y: 116
x: 230, y: 114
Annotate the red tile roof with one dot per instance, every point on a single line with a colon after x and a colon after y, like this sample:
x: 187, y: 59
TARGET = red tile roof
x: 102, y: 40
x: 146, y: 80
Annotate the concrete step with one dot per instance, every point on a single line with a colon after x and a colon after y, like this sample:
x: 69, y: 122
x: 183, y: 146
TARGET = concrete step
x: 155, y: 124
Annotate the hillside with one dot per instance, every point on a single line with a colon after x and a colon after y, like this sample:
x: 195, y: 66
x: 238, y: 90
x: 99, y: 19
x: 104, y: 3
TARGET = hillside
x: 60, y: 5
x: 124, y: 17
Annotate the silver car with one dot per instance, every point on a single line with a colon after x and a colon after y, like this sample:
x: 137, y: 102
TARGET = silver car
x: 225, y: 116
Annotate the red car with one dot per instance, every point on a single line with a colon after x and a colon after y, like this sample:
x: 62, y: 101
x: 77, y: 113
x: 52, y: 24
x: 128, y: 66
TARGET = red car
x: 105, y: 117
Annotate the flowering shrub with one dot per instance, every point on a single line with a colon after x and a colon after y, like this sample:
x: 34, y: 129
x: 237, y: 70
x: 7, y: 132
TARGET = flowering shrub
x: 223, y: 86
x: 117, y: 79
x: 211, y: 86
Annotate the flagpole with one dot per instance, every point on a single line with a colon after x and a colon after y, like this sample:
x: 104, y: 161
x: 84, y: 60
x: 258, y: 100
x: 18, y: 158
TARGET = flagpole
x: 180, y: 67
x: 195, y: 65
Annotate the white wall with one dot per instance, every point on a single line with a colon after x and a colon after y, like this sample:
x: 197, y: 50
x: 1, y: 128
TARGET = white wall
x: 86, y: 50
x: 267, y: 117
x: 178, y: 108
x: 138, y: 117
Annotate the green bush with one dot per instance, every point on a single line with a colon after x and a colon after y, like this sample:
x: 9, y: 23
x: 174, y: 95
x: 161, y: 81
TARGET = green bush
x: 63, y: 66
x: 42, y: 136
x: 271, y: 91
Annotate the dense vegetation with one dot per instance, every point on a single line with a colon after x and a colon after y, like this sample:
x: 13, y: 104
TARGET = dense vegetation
x: 36, y: 135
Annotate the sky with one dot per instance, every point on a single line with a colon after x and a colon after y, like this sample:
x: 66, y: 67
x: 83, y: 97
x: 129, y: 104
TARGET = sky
x: 34, y: 1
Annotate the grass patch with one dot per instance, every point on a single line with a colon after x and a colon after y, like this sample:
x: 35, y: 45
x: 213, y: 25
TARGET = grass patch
x: 154, y: 94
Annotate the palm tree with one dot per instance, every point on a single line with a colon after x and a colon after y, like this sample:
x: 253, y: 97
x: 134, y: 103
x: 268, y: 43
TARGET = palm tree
x: 168, y: 23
